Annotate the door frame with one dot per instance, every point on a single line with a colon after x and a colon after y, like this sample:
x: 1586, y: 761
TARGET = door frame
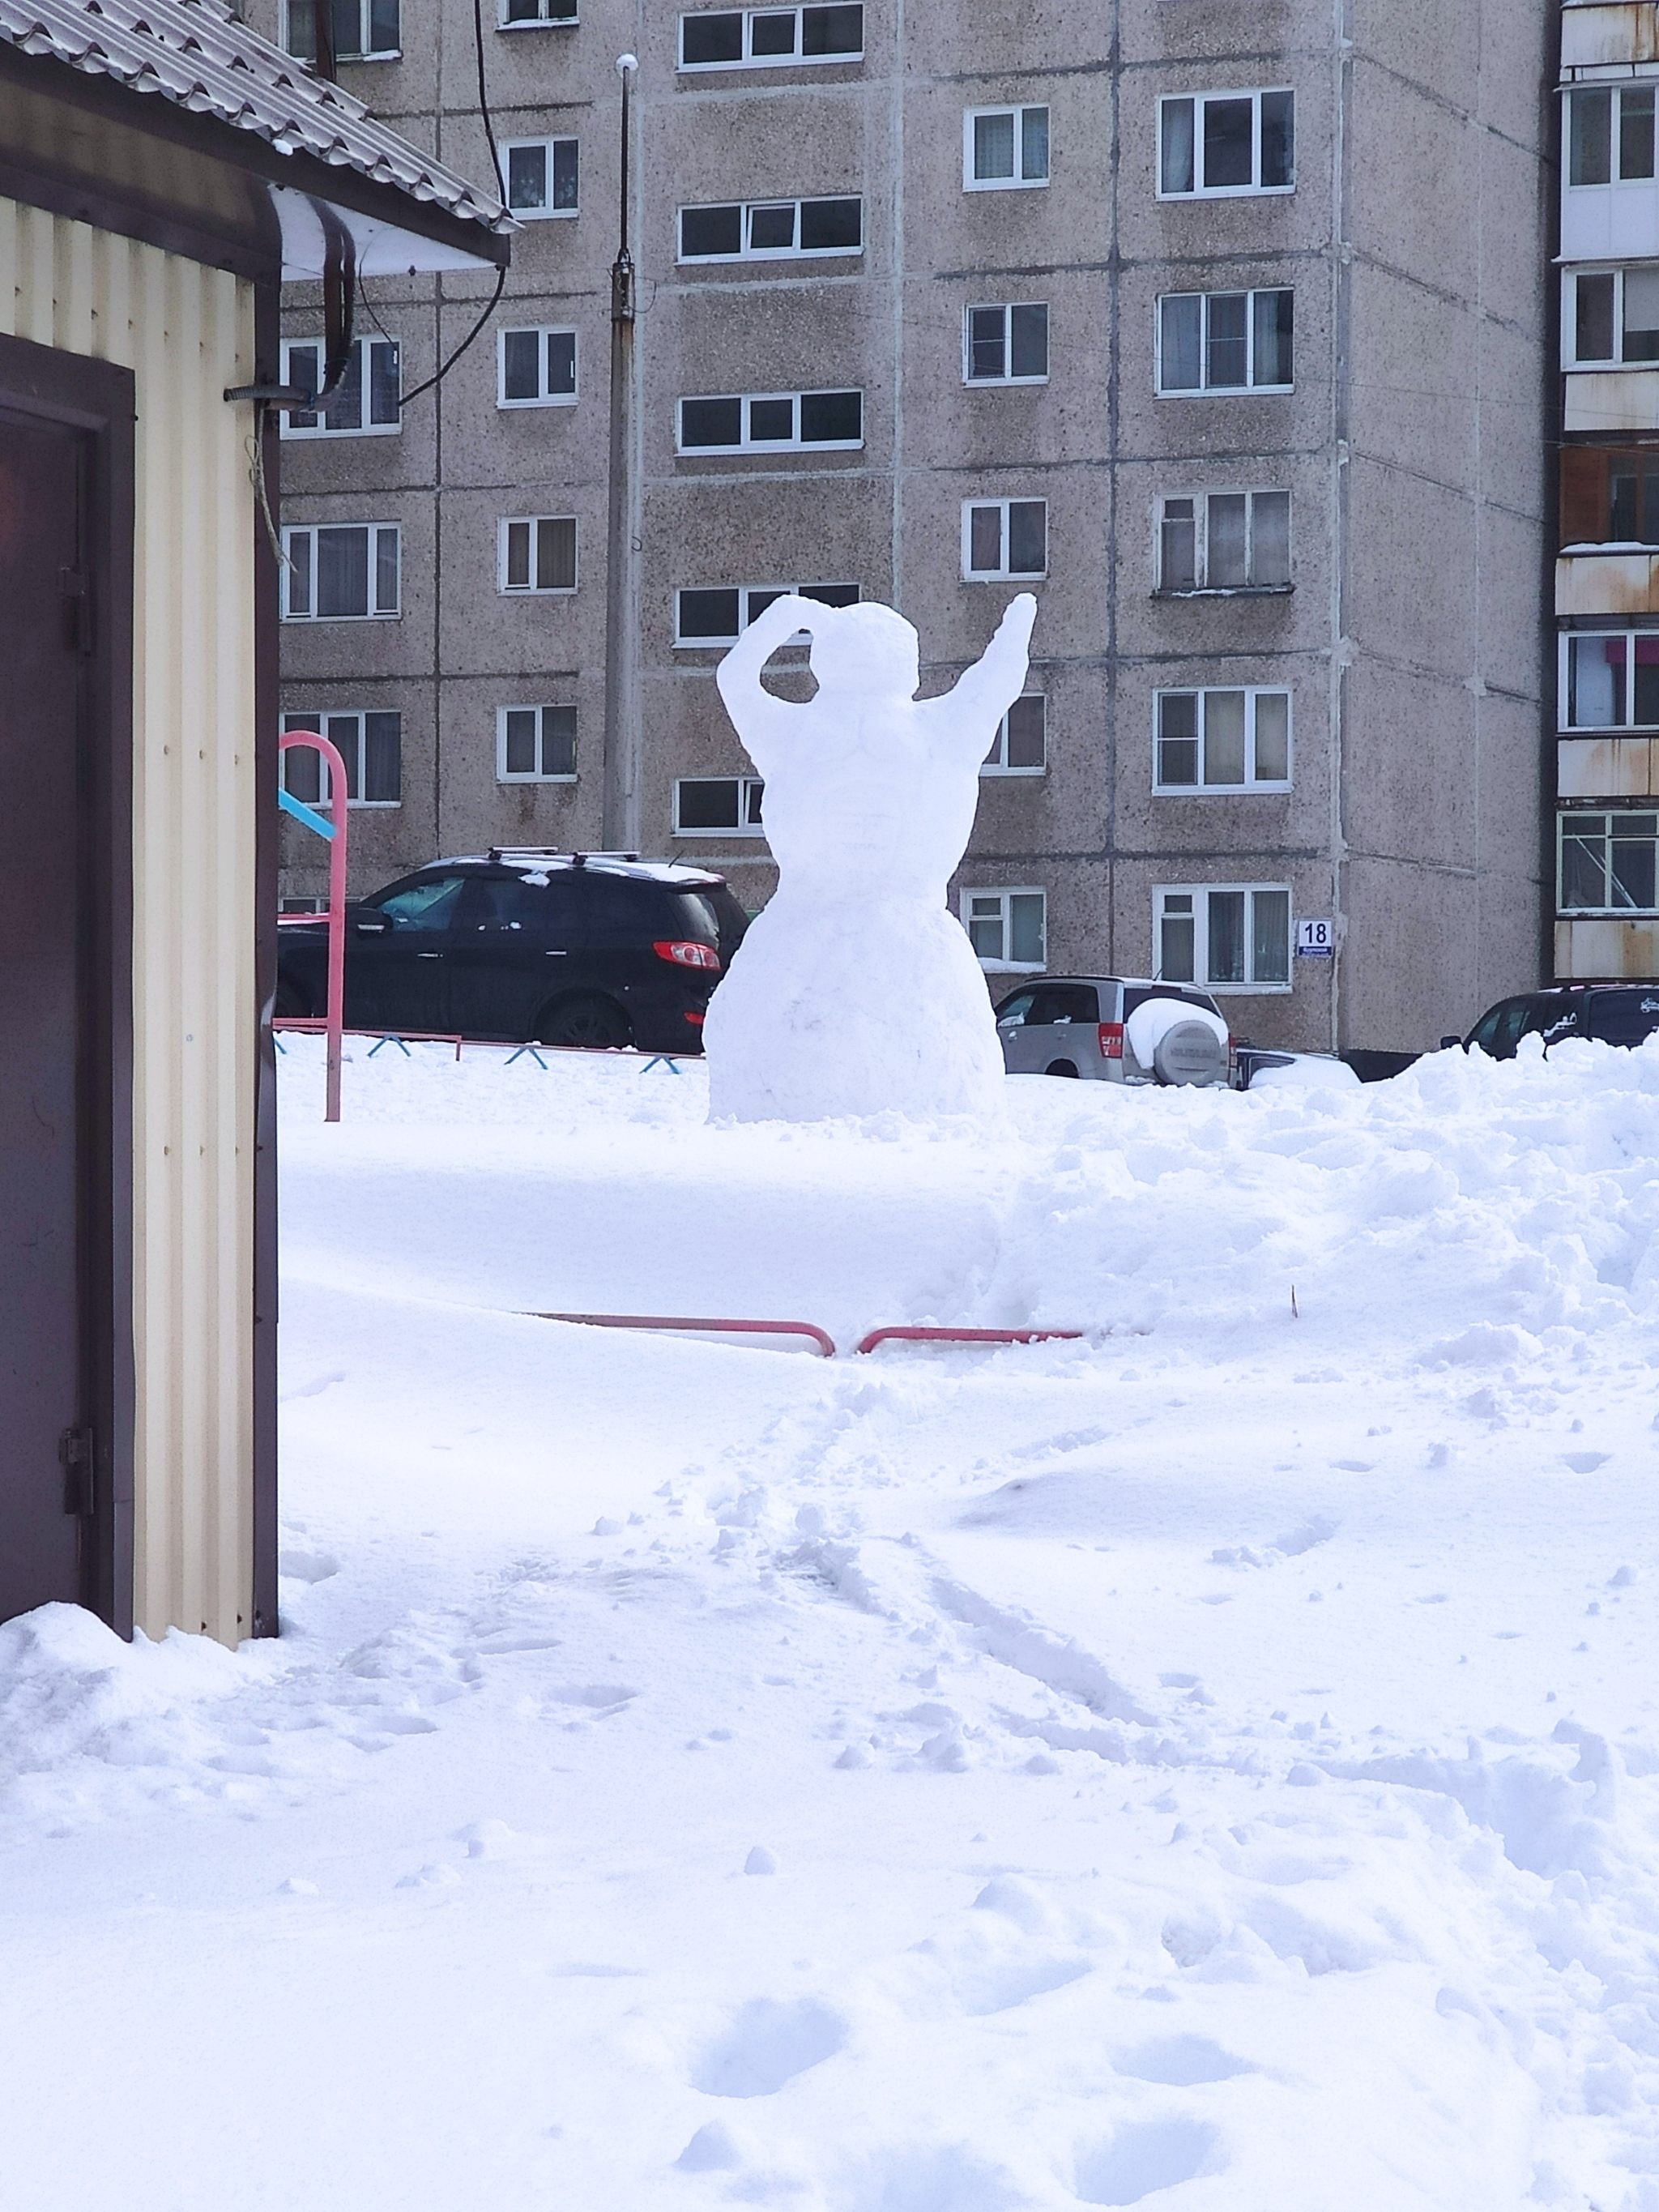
x: 99, y: 399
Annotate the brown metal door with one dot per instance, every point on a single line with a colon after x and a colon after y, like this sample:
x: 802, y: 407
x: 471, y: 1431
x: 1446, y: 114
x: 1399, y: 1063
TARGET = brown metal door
x: 42, y: 1353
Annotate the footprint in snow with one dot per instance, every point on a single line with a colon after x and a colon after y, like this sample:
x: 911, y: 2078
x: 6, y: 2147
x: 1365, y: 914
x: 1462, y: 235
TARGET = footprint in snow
x: 1181, y: 2061
x: 766, y: 2044
x: 1142, y: 2159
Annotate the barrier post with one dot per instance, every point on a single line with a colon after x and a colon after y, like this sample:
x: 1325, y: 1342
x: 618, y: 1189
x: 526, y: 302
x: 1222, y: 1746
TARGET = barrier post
x: 335, y: 831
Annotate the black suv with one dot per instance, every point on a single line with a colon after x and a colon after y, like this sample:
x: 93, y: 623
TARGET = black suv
x: 527, y: 946
x: 1614, y: 1013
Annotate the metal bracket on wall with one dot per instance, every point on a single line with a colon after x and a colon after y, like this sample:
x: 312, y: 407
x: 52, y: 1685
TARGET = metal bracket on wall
x: 75, y: 1450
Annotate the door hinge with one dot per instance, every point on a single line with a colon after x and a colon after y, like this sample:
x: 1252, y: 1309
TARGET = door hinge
x: 77, y: 609
x: 75, y: 1450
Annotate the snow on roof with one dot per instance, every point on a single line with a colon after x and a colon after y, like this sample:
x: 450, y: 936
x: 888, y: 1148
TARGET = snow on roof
x: 195, y: 54
x: 612, y: 864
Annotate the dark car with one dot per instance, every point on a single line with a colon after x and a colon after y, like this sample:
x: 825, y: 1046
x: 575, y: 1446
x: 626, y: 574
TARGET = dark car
x: 1611, y: 1013
x: 527, y: 946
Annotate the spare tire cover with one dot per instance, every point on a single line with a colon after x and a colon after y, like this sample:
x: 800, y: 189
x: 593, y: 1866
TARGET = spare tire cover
x: 1190, y: 1052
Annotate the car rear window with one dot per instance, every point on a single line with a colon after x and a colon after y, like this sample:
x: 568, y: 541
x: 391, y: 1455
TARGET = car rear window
x: 728, y: 912
x: 1624, y: 1017
x: 1133, y: 998
x: 629, y: 907
x: 699, y: 918
x: 1063, y: 1002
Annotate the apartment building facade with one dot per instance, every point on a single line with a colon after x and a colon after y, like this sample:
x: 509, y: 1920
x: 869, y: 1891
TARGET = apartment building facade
x: 1223, y: 328
x: 1607, y: 595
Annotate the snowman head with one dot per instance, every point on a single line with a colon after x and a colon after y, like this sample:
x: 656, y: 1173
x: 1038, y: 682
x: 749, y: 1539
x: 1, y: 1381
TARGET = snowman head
x: 866, y: 648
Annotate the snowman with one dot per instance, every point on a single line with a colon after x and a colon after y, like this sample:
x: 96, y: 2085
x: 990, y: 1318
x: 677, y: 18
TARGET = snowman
x: 856, y: 991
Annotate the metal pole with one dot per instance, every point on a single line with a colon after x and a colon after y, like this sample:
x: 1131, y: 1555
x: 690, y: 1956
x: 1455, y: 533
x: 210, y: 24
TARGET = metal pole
x: 621, y: 798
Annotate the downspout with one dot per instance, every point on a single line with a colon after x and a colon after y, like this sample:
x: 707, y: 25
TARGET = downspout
x: 1341, y: 648
x: 621, y: 822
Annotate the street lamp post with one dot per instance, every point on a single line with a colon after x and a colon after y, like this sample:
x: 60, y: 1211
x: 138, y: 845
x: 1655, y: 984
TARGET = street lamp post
x: 620, y: 831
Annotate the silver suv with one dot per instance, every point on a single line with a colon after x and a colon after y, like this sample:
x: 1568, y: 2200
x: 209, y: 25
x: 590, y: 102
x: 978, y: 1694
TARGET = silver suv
x: 1077, y: 1025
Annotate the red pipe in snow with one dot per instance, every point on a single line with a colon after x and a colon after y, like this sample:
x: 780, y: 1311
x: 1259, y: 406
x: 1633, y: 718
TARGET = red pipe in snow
x: 825, y: 1343
x: 963, y: 1336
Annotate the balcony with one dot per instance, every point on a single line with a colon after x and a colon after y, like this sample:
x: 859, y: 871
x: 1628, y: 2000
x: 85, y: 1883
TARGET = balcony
x: 1607, y: 767
x: 1611, y: 399
x: 1607, y: 950
x: 1605, y: 580
x: 1595, y: 35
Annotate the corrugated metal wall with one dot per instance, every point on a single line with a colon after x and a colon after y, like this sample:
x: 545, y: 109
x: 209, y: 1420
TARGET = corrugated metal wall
x: 186, y: 332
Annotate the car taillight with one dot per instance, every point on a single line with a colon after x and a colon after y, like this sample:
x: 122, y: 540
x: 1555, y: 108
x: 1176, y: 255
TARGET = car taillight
x: 1112, y: 1040
x: 686, y: 953
x: 695, y: 1018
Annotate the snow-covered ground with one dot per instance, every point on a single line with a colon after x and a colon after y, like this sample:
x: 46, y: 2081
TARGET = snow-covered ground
x: 1214, y: 1764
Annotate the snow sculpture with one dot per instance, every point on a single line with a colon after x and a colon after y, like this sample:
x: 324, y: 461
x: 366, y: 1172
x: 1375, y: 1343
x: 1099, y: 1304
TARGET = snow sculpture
x: 856, y: 991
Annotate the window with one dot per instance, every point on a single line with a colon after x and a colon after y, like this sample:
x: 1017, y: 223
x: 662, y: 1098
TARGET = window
x: 1222, y: 740
x: 1610, y: 679
x: 1609, y: 497
x: 538, y: 553
x: 1611, y: 316
x: 1021, y: 744
x: 1008, y: 929
x: 370, y: 400
x: 770, y: 38
x: 302, y: 905
x: 1609, y: 863
x: 718, y: 805
x: 527, y: 14
x: 1229, y: 937
x: 1006, y: 345
x: 363, y: 30
x: 1003, y: 537
x: 1224, y: 541
x: 1610, y: 131
x: 372, y: 747
x: 535, y: 744
x: 537, y: 368
x: 1226, y: 143
x: 340, y: 572
x: 717, y: 617
x: 541, y: 177
x: 771, y: 230
x: 1004, y: 149
x: 1225, y: 341
x: 771, y: 423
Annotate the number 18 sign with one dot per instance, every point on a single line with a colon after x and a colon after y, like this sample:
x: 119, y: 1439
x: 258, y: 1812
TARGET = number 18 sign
x: 1315, y: 940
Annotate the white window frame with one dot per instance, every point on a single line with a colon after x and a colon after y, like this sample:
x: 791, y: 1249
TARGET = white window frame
x: 292, y: 532
x: 1250, y: 295
x: 304, y: 718
x: 1564, y: 699
x: 363, y: 347
x: 748, y: 444
x: 540, y: 710
x: 536, y: 591
x: 746, y: 613
x: 1199, y: 894
x: 1204, y: 693
x: 1004, y: 894
x: 747, y: 252
x: 1203, y: 589
x: 996, y: 761
x: 749, y: 789
x: 510, y: 146
x: 542, y: 332
x: 1570, y: 361
x: 1256, y: 189
x: 1607, y: 813
x: 1006, y: 309
x: 543, y: 20
x: 363, y: 53
x: 1643, y: 87
x: 1004, y: 575
x: 750, y: 60
x: 1017, y: 183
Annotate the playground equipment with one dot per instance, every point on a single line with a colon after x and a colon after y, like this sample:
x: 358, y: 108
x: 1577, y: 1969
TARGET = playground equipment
x: 825, y: 1343
x: 335, y: 831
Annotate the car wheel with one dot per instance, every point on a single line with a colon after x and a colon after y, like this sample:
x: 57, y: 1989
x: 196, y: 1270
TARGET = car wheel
x: 591, y: 1021
x: 1060, y: 1067
x: 290, y: 1003
x: 1190, y: 1053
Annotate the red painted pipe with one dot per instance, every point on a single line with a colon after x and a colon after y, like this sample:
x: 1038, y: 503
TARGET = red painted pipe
x: 963, y: 1336
x: 825, y: 1343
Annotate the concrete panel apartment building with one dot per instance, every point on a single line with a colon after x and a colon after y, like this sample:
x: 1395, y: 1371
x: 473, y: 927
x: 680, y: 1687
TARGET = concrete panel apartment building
x: 1227, y: 328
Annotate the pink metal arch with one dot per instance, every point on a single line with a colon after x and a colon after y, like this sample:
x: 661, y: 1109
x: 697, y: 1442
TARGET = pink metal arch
x: 339, y: 809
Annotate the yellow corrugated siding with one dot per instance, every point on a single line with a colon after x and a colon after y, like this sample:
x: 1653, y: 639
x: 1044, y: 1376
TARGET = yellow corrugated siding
x: 186, y: 332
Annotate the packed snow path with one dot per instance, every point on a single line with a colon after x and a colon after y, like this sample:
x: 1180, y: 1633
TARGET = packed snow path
x: 1211, y: 1765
